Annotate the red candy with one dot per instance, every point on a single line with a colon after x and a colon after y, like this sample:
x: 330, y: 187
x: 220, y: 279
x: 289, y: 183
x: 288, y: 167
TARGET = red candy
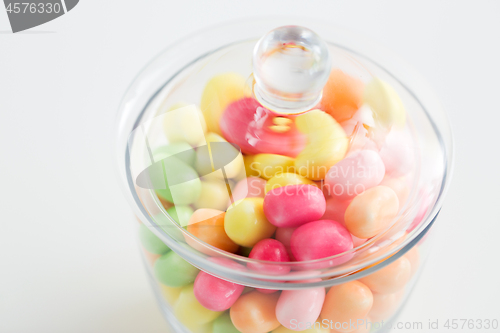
x: 320, y: 239
x: 216, y: 294
x: 254, y: 129
x: 269, y: 250
x: 294, y: 205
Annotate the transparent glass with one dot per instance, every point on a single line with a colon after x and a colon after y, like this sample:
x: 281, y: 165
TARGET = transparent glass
x: 376, y: 274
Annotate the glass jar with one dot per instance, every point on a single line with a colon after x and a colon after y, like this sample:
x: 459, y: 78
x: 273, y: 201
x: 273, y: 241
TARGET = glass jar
x: 210, y: 276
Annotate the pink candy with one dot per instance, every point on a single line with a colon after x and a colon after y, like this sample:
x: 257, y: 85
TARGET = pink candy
x: 269, y: 250
x: 252, y: 127
x: 321, y: 239
x: 284, y: 235
x: 216, y: 294
x: 335, y: 209
x: 294, y: 205
x: 299, y: 306
x: 398, y: 153
x: 251, y: 187
x: 356, y: 173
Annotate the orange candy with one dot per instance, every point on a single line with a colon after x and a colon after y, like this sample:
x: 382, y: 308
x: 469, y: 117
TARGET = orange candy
x: 255, y: 312
x: 342, y: 95
x: 371, y: 212
x: 208, y: 226
x: 384, y: 305
x: 391, y: 278
x: 346, y: 303
x: 414, y: 257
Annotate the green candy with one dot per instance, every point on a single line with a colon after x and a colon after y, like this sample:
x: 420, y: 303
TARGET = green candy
x: 168, y: 226
x: 173, y: 271
x: 181, y: 214
x: 150, y: 241
x: 187, y: 187
x: 182, y: 150
x: 223, y: 324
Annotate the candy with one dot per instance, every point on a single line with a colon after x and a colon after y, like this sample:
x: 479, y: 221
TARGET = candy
x: 284, y: 235
x: 180, y: 214
x: 320, y: 239
x: 251, y: 187
x: 270, y: 165
x: 399, y: 186
x: 384, y: 305
x: 208, y: 226
x: 387, y: 106
x: 398, y: 153
x: 255, y: 312
x: 151, y: 257
x: 219, y: 92
x: 413, y: 257
x: 150, y: 241
x: 356, y: 173
x: 185, y: 124
x: 249, y: 166
x: 299, y: 306
x: 335, y: 209
x: 391, y: 278
x: 216, y: 294
x: 246, y: 224
x: 170, y: 294
x: 181, y: 150
x: 345, y: 304
x: 257, y: 130
x: 307, y: 327
x: 223, y: 324
x: 342, y: 95
x: 190, y: 312
x: 294, y: 205
x: 287, y: 178
x: 213, y: 195
x: 371, y: 212
x: 269, y: 250
x: 184, y: 185
x: 173, y: 271
x: 326, y: 144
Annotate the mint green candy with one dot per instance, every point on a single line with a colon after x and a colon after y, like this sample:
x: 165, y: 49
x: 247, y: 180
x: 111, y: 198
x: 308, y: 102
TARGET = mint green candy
x: 181, y: 214
x: 182, y: 150
x: 150, y: 241
x: 223, y: 324
x: 184, y: 186
x: 173, y: 271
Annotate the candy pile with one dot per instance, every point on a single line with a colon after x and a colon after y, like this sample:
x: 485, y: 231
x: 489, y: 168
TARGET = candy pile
x: 316, y: 185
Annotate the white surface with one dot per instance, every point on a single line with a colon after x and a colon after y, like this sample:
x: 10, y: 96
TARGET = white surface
x: 69, y: 262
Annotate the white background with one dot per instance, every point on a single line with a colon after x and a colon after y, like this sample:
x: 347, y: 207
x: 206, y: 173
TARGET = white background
x: 68, y: 257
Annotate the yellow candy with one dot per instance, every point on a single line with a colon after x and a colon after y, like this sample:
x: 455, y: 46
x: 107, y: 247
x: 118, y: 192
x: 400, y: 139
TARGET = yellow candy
x: 317, y: 327
x: 214, y: 194
x: 184, y: 124
x: 190, y: 312
x: 270, y: 165
x: 327, y: 144
x: 250, y: 169
x: 287, y: 178
x: 388, y: 109
x: 170, y: 294
x: 245, y: 222
x: 233, y: 169
x: 219, y: 92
